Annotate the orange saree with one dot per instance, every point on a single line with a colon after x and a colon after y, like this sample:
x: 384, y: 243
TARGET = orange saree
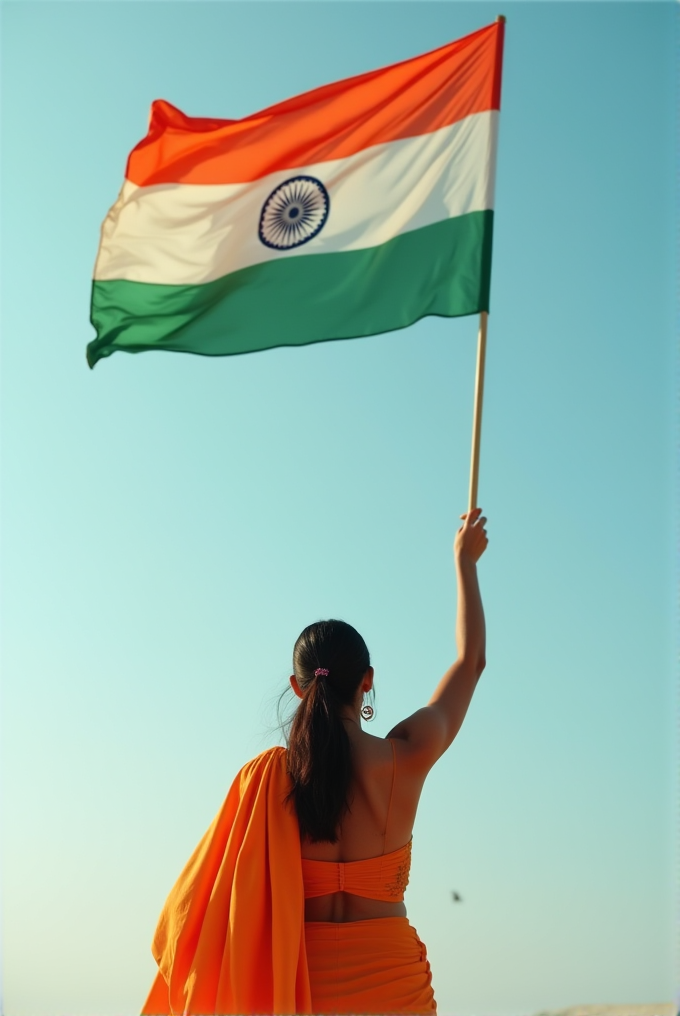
x: 232, y: 940
x: 375, y: 966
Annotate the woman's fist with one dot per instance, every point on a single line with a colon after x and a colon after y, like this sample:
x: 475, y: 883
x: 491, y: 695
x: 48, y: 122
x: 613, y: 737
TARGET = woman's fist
x: 471, y: 540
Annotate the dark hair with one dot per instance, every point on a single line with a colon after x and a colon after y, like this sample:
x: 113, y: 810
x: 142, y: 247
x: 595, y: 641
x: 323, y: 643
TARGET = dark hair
x: 319, y: 751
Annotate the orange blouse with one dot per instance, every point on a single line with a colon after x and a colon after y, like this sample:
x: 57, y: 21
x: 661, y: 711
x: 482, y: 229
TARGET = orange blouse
x: 376, y: 878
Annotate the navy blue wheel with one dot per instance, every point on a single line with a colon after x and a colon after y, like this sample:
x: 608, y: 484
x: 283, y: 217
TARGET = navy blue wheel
x: 294, y: 213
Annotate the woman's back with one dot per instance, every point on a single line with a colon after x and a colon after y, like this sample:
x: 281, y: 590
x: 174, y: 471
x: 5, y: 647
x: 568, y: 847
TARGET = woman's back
x: 383, y: 799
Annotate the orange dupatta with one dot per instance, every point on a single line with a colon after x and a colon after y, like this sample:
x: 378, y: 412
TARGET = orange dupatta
x: 231, y: 936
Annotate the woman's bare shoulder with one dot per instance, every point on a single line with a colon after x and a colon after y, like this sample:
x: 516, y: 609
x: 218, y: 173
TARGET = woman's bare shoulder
x: 372, y: 751
x: 419, y: 740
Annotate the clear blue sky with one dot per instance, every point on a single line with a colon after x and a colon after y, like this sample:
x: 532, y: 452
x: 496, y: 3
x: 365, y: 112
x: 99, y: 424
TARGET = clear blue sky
x: 170, y: 523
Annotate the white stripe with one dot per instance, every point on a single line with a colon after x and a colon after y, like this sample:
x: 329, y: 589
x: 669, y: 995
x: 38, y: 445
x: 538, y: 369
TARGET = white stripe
x: 187, y: 234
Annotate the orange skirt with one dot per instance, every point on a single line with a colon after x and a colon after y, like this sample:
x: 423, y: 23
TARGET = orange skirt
x: 375, y: 966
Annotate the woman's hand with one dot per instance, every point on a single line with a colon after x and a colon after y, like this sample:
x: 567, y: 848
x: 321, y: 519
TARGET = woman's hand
x: 471, y: 540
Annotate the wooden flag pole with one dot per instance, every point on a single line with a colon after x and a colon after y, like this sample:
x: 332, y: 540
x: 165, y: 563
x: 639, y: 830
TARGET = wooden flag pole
x: 477, y: 413
x: 479, y: 395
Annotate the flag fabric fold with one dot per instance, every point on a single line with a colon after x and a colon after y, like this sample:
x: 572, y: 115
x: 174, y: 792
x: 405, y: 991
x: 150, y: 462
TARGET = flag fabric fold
x: 353, y: 209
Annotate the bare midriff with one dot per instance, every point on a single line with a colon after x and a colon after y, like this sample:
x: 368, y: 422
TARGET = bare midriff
x: 342, y: 907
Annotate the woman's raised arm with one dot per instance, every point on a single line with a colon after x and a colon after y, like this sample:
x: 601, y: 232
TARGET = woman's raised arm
x: 430, y: 730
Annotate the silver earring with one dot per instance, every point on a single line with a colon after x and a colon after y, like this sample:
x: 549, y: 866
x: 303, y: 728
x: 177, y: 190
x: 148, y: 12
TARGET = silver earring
x: 367, y: 711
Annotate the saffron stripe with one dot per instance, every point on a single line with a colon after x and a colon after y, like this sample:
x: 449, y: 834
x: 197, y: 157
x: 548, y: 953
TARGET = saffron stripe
x: 406, y: 99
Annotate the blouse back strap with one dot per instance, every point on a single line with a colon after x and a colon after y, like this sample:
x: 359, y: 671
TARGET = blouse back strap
x: 389, y: 806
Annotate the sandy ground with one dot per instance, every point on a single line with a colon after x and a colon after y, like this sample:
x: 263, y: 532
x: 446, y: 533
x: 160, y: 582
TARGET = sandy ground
x: 660, y: 1009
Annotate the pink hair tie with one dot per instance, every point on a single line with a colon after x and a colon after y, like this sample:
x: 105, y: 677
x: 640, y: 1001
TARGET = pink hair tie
x: 321, y: 672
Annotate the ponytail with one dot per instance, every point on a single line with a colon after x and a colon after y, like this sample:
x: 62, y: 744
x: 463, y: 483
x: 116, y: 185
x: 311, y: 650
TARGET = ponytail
x: 330, y: 658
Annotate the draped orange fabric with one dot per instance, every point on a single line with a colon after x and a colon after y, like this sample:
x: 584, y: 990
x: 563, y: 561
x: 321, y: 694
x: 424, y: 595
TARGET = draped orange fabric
x: 378, y: 966
x: 231, y: 936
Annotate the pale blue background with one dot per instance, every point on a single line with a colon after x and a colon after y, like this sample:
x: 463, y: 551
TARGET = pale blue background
x: 170, y: 523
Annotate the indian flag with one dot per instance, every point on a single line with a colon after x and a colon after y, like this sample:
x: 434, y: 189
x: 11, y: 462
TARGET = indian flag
x: 356, y: 208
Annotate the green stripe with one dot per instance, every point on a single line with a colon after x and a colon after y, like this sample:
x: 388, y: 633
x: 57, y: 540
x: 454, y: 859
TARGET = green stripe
x: 442, y: 269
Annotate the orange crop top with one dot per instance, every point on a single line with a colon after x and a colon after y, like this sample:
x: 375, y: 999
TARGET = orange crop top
x: 377, y: 878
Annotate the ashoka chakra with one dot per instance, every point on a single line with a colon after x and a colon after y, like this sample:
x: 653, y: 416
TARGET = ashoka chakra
x: 294, y: 213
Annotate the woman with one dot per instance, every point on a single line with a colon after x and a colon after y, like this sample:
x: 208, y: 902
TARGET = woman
x: 293, y: 900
